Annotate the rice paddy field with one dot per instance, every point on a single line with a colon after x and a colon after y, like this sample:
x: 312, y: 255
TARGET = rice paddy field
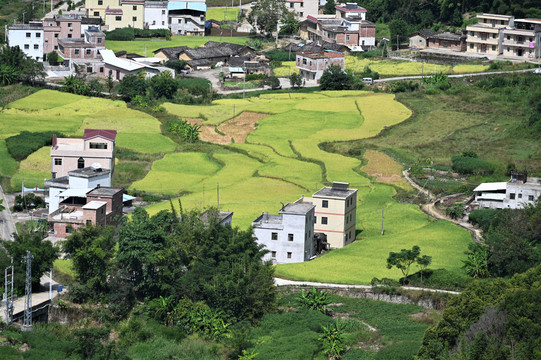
x: 392, y: 67
x: 49, y: 110
x: 277, y: 160
x: 145, y: 47
x: 222, y: 13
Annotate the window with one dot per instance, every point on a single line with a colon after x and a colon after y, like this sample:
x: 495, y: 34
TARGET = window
x: 39, y: 35
x: 69, y: 25
x: 76, y: 51
x: 520, y: 196
x: 134, y: 7
x: 289, y: 237
x: 508, y: 37
x: 291, y: 5
x: 324, y: 220
x: 493, y: 47
x: 101, y: 69
x: 163, y: 12
x: 53, y: 175
x: 88, y: 51
x: 56, y: 47
x: 56, y: 36
x: 36, y: 46
x: 69, y: 229
x: 304, y: 61
x: 512, y: 196
x: 163, y: 22
x: 302, y: 4
x: 471, y: 46
x: 98, y: 145
x: 153, y: 22
x: 99, y: 40
x: 301, y: 13
x: 134, y: 18
x: 80, y: 163
x: 530, y: 197
x: 58, y: 161
x: 325, y: 203
x: 289, y: 255
x: 274, y: 236
x: 100, y: 2
x: 347, y: 37
x: 118, y: 18
x: 315, y: 219
x: 69, y: 36
x: 88, y: 69
x: 26, y: 46
x: 273, y: 254
x: 88, y: 222
x: 28, y: 34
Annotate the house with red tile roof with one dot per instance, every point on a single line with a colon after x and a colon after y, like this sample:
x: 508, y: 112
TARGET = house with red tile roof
x: 96, y: 148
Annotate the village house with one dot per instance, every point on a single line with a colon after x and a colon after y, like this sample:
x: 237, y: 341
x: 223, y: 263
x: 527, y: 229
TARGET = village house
x: 60, y: 27
x: 156, y: 15
x: 312, y: 64
x: 315, y: 47
x: 170, y: 53
x: 289, y: 236
x: 516, y: 193
x: 121, y: 67
x: 447, y: 40
x: 117, y: 13
x: 28, y: 37
x: 223, y: 218
x: 96, y: 147
x: 336, y: 213
x: 303, y: 8
x: 187, y: 17
x: 348, y: 27
x: 86, y: 47
x: 213, y: 53
x: 418, y: 40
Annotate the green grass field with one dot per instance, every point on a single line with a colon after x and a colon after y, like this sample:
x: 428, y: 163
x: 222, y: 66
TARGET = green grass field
x: 222, y: 13
x: 145, y: 47
x: 33, y: 169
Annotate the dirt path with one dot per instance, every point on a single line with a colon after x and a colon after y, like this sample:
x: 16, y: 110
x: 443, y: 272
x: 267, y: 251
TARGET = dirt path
x: 430, y: 210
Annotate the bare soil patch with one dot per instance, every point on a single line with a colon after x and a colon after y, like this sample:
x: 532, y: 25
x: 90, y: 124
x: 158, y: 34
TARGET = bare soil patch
x: 209, y: 134
x: 241, y: 126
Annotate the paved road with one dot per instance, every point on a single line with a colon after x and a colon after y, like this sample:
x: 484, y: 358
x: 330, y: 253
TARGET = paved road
x: 283, y: 282
x: 6, y: 219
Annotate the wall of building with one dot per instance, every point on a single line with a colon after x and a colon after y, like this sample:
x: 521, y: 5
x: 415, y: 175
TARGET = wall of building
x: 446, y: 44
x: 156, y: 15
x: 303, y: 8
x: 417, y: 41
x: 29, y: 40
x: 523, y: 194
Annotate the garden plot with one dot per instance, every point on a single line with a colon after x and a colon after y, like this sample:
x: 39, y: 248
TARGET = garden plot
x: 384, y: 169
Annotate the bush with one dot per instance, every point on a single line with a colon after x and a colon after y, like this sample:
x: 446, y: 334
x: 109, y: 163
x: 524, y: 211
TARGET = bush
x: 29, y: 201
x: 472, y: 165
x: 122, y: 34
x: 176, y: 65
x: 404, y: 86
x: 22, y: 145
x: 251, y: 77
x: 455, y: 211
x: 280, y: 55
x: 483, y: 217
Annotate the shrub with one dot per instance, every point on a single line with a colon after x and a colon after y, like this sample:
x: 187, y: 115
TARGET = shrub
x: 29, y: 201
x: 251, y: 77
x: 472, y: 165
x: 176, y: 65
x: 280, y: 55
x: 22, y: 145
x: 314, y: 299
x: 483, y: 217
x: 455, y: 211
x: 122, y: 34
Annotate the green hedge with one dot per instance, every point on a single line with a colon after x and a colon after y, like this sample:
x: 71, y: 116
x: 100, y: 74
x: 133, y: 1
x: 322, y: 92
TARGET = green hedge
x: 472, y: 165
x: 483, y: 217
x: 22, y: 145
x: 129, y: 33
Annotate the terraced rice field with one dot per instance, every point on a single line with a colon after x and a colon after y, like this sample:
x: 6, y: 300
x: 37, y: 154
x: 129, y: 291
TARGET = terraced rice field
x: 281, y: 160
x: 384, y: 169
x: 49, y: 110
x: 275, y: 157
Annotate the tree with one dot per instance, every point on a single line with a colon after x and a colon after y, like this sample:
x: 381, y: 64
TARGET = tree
x: 131, y: 86
x: 332, y: 340
x: 334, y: 78
x: 266, y: 14
x: 163, y: 85
x: 91, y: 250
x: 295, y: 80
x: 274, y: 83
x: 403, y: 260
x: 290, y: 24
x: 26, y: 69
x: 43, y: 251
x: 423, y: 262
x: 110, y: 82
x: 476, y: 265
x: 314, y: 299
x: 399, y: 30
x: 8, y: 74
x: 75, y: 85
x: 329, y: 8
x: 52, y: 57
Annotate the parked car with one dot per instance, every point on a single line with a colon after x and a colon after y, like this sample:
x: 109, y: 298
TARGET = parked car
x: 368, y: 81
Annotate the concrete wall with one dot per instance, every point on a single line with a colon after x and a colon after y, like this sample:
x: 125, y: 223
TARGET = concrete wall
x: 523, y: 194
x: 89, y: 183
x: 417, y: 41
x: 29, y: 40
x: 156, y: 15
x: 303, y: 8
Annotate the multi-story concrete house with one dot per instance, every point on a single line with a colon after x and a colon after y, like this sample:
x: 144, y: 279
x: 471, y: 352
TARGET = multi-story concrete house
x: 156, y: 15
x: 523, y: 40
x: 76, y: 184
x: 312, y: 64
x: 348, y: 27
x: 336, y: 213
x: 117, y: 13
x: 28, y: 37
x: 289, y: 236
x: 96, y: 147
x: 187, y: 17
x: 60, y: 27
x: 303, y: 8
x: 517, y: 193
x: 87, y: 47
x: 487, y: 34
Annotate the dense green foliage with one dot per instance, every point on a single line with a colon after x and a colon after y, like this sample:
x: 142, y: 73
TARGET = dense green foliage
x: 483, y: 217
x: 24, y: 144
x: 16, y: 66
x: 472, y: 165
x: 334, y: 78
x: 130, y: 33
x: 314, y: 299
x: 29, y: 201
x: 490, y: 320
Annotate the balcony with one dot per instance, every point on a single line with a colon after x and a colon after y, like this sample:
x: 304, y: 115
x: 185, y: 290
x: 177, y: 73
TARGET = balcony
x: 479, y: 40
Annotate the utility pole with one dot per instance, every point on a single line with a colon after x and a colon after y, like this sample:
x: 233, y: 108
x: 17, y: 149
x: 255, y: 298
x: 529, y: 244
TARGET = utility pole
x: 218, y: 195
x: 51, y: 285
x: 8, y: 292
x: 27, y: 322
x: 381, y: 221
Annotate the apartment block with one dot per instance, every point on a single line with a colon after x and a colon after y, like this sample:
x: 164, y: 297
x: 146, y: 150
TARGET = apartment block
x: 336, y: 213
x: 117, y: 13
x: 60, y: 27
x: 303, y: 8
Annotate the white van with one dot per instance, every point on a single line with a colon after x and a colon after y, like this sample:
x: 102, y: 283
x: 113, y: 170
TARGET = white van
x: 368, y: 81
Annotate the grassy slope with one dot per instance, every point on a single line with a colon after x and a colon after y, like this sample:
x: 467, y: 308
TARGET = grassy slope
x: 139, y: 46
x: 219, y: 13
x: 465, y: 118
